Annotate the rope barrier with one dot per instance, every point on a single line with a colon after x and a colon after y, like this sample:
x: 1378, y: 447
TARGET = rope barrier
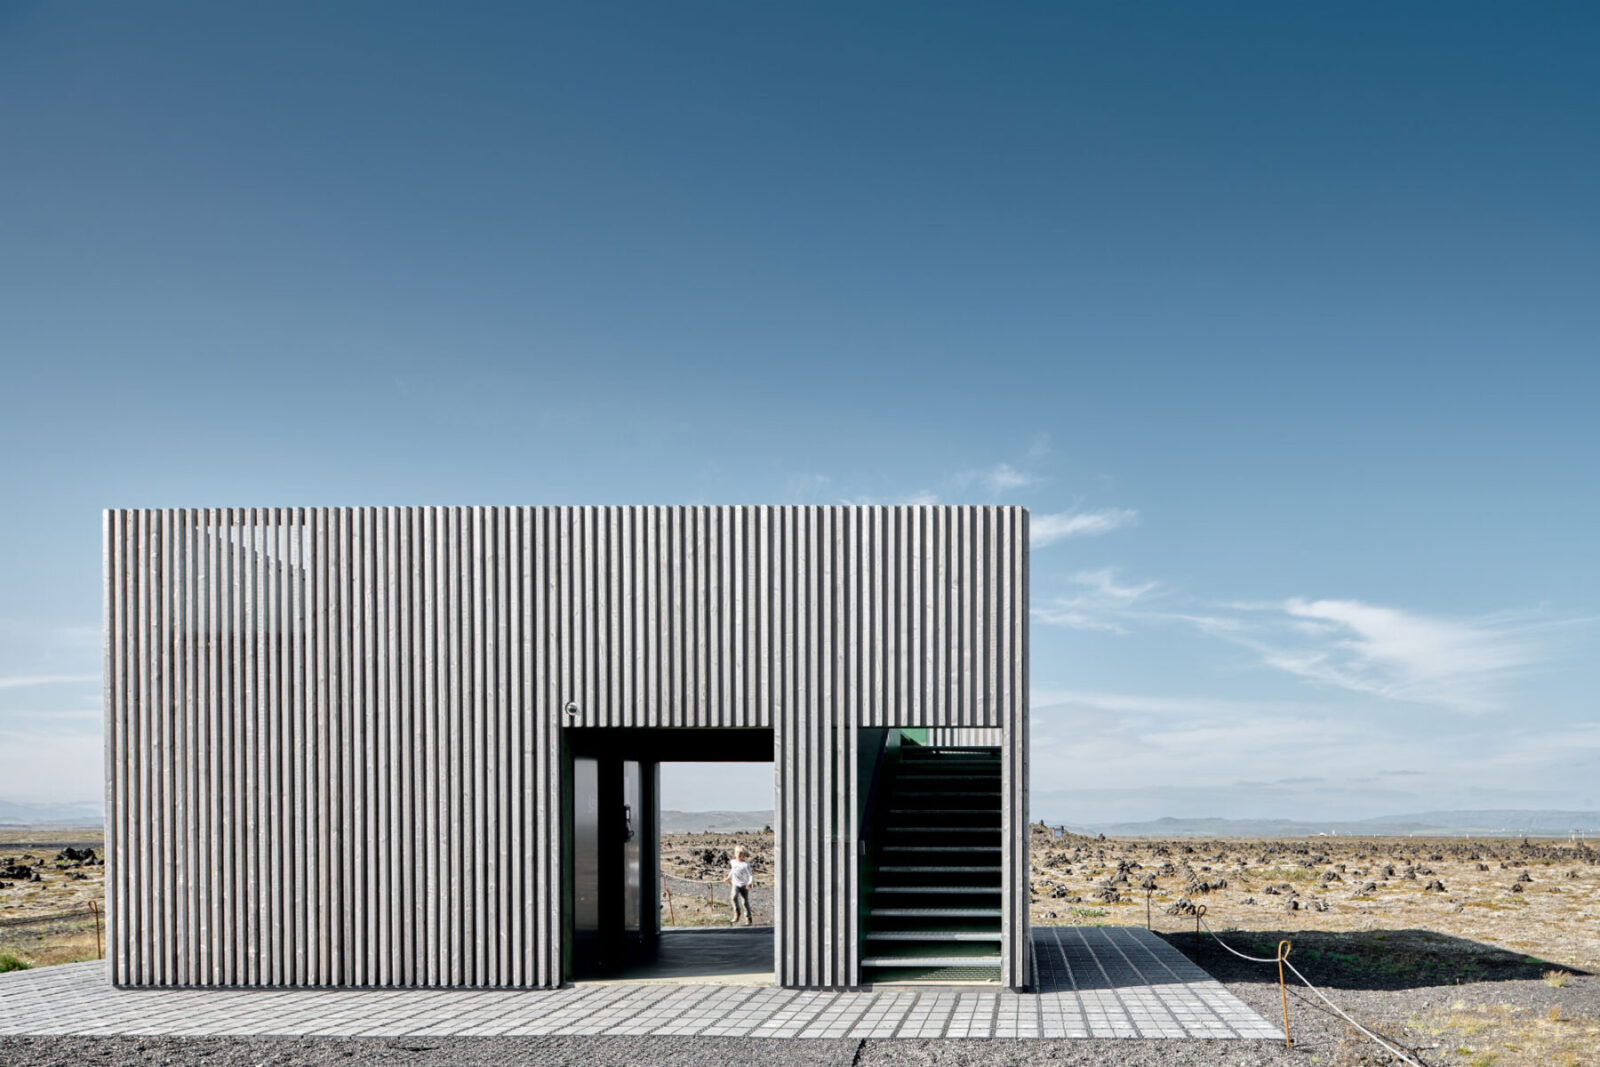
x: 1346, y: 1016
x: 82, y: 911
x: 1282, y: 960
x: 1283, y: 989
x: 1241, y: 955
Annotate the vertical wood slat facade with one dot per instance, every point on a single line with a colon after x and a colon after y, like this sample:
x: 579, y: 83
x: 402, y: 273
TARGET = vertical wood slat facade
x: 333, y: 740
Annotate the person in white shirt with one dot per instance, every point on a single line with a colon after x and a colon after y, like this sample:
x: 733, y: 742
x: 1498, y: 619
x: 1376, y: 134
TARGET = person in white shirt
x: 741, y: 878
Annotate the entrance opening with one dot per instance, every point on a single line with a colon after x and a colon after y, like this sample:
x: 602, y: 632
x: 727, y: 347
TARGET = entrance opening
x: 713, y: 815
x: 640, y: 912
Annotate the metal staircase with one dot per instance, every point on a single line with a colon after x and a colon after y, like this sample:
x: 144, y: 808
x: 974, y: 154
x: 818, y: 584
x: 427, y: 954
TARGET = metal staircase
x: 934, y: 870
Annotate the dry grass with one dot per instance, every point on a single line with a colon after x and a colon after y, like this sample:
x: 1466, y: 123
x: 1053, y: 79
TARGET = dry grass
x: 58, y: 943
x: 59, y: 892
x: 77, y: 834
x: 1555, y: 918
x: 1505, y: 1035
x: 678, y: 854
x: 697, y: 909
x: 707, y: 903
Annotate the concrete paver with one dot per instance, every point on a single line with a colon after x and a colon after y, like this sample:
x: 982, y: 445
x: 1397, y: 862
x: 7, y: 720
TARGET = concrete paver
x: 1093, y: 982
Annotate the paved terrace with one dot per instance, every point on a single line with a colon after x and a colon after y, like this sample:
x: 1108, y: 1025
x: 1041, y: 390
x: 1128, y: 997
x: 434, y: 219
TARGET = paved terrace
x: 1094, y: 982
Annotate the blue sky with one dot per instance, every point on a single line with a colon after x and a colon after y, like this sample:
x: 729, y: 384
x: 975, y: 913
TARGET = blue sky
x: 1280, y: 318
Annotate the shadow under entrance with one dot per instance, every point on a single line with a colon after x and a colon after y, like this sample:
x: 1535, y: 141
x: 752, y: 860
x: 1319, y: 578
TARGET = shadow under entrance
x: 704, y: 956
x: 611, y: 821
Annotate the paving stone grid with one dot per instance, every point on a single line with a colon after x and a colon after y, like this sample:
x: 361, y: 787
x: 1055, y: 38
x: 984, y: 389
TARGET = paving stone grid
x: 1093, y: 982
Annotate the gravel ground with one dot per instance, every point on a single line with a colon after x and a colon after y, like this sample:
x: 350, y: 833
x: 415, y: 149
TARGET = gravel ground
x: 685, y: 890
x: 1394, y: 1013
x: 628, y: 1052
x: 1321, y: 1038
x: 1395, y: 1005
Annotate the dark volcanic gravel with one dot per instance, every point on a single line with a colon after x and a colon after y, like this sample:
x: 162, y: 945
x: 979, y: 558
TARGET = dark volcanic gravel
x: 1321, y: 1038
x: 628, y: 1052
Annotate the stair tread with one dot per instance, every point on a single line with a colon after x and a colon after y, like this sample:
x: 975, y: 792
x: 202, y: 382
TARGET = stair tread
x: 941, y: 786
x: 933, y: 935
x: 949, y: 811
x: 940, y: 774
x: 925, y: 913
x: 917, y: 759
x: 943, y: 890
x: 944, y: 792
x: 949, y: 783
x: 944, y: 773
x: 968, y: 849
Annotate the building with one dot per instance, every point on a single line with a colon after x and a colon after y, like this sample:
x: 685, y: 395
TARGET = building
x: 418, y: 746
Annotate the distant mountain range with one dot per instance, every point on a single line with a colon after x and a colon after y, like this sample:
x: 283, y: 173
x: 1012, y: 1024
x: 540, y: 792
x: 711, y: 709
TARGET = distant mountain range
x: 18, y: 813
x: 700, y: 822
x: 1488, y: 823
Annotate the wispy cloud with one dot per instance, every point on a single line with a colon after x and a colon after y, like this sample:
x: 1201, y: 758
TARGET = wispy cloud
x: 51, y: 716
x: 20, y: 681
x: 1144, y: 704
x: 919, y: 498
x: 996, y: 480
x: 807, y: 488
x: 1466, y: 665
x: 1104, y: 583
x: 1461, y: 664
x: 1004, y: 477
x: 1098, y: 601
x: 993, y: 480
x: 822, y: 489
x: 1141, y: 755
x: 1048, y: 529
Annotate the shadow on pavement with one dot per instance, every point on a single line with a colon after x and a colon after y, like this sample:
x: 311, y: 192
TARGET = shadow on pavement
x: 1363, y: 959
